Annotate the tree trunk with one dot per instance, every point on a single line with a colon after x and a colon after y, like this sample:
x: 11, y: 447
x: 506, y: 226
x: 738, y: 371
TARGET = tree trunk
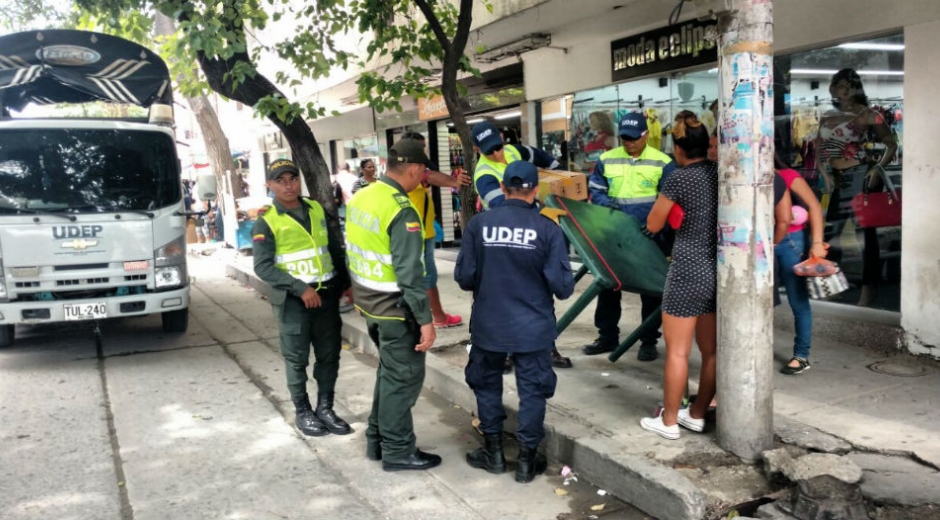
x: 453, y: 52
x: 217, y: 147
x: 306, y: 154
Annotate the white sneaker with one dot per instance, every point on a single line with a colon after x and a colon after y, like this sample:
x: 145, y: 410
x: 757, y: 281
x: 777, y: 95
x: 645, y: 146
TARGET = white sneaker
x: 687, y: 421
x: 655, y: 425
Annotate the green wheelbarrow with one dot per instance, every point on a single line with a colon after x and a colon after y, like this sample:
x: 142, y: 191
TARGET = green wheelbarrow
x: 618, y: 256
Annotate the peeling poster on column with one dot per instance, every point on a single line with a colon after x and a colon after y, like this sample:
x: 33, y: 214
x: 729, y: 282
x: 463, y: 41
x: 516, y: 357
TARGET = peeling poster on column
x: 669, y: 48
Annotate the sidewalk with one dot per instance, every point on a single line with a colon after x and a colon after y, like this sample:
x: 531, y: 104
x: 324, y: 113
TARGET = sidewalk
x: 853, y: 400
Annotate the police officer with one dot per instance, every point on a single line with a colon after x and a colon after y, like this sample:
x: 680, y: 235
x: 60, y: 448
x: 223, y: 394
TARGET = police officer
x: 526, y: 262
x: 305, y: 267
x: 628, y: 178
x: 495, y: 156
x: 384, y: 245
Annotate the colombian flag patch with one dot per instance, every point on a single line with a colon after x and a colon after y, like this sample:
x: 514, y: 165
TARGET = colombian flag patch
x: 413, y: 227
x: 257, y: 238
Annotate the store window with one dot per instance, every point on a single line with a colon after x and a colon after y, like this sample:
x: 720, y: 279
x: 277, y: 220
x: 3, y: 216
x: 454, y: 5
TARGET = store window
x: 840, y: 124
x: 594, y: 114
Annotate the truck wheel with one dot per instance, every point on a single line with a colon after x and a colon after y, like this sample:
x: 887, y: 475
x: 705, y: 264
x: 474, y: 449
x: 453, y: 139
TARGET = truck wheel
x: 175, y: 321
x: 7, y: 333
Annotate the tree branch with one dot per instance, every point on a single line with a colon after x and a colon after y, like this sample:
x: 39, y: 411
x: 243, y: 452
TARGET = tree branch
x: 464, y: 19
x: 435, y: 24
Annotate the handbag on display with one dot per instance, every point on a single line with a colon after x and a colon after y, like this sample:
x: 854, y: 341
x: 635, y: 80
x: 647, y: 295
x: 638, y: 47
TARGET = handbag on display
x: 878, y: 209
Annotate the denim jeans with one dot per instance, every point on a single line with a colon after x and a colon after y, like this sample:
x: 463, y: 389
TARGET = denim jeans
x: 789, y: 252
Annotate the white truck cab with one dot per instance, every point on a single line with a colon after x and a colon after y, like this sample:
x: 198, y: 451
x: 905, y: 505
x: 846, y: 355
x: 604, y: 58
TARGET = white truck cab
x: 92, y: 221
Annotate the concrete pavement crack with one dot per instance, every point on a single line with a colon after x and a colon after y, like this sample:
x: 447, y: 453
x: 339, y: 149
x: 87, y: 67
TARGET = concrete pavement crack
x: 127, y: 511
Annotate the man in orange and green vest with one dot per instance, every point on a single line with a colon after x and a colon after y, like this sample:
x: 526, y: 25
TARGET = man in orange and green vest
x: 628, y: 178
x: 385, y: 250
x: 306, y: 269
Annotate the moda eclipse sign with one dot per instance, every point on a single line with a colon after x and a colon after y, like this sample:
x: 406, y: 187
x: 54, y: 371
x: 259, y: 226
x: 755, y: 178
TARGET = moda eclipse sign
x: 669, y: 48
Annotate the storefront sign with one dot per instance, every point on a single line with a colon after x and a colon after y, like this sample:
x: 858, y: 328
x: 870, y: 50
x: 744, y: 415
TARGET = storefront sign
x: 670, y: 48
x: 432, y: 108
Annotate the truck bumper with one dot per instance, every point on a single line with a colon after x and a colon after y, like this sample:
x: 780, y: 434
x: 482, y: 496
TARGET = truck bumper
x: 29, y: 313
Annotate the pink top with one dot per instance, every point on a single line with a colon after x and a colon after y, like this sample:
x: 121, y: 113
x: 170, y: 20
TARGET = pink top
x: 789, y: 176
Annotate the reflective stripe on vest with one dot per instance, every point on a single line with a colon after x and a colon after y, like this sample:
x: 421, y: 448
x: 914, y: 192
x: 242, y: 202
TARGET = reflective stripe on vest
x: 368, y: 245
x: 302, y: 255
x: 496, y: 169
x: 633, y: 181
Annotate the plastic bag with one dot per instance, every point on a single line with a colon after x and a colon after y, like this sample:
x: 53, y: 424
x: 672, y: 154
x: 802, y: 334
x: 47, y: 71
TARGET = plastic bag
x: 815, y: 266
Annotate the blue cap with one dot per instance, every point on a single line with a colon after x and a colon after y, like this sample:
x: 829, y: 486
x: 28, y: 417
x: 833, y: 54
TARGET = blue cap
x: 486, y: 137
x: 632, y: 126
x: 521, y: 174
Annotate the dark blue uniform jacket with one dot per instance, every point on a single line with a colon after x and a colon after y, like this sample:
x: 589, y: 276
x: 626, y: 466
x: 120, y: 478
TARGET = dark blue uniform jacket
x: 514, y: 260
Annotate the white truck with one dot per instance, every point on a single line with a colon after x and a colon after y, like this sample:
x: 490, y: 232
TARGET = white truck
x: 92, y: 220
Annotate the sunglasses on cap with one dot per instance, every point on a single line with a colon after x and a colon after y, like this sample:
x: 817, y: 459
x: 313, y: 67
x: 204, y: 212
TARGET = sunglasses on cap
x: 494, y: 149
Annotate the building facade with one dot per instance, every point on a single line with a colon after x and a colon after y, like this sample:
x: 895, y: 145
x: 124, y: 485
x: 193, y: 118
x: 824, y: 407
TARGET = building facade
x: 608, y: 57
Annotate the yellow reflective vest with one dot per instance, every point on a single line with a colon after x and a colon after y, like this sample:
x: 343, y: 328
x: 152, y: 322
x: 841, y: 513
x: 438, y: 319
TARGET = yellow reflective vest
x: 633, y: 180
x: 303, y: 255
x: 496, y: 169
x: 368, y: 245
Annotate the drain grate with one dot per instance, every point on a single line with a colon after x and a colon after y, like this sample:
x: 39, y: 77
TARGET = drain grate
x: 892, y: 368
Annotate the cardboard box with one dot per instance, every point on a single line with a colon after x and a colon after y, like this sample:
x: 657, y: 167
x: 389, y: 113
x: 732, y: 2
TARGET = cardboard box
x: 571, y: 185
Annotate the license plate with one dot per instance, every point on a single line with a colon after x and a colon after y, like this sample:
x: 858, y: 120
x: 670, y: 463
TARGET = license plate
x: 85, y: 311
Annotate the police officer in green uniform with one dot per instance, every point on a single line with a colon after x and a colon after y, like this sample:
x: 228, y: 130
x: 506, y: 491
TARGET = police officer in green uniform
x: 305, y: 267
x: 385, y: 248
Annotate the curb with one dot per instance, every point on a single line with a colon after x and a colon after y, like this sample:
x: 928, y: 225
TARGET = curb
x: 652, y: 487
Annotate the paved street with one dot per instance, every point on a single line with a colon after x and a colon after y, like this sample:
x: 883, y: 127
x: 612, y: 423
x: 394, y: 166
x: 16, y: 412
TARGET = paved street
x: 152, y: 426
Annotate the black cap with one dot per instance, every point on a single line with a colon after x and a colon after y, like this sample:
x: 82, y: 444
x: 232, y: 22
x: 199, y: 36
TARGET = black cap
x: 408, y: 151
x: 281, y: 166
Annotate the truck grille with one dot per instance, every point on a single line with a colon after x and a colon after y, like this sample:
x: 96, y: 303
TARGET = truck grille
x: 80, y: 281
x: 26, y: 285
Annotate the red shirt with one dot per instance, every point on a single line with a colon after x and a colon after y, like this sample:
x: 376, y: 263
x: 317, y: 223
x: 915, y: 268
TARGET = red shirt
x: 789, y: 176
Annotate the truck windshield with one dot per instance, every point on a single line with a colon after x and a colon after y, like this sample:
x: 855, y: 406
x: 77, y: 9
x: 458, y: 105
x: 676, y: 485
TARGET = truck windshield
x: 86, y: 170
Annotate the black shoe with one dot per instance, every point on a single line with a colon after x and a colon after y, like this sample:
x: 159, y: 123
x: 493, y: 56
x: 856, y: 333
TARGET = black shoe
x: 559, y: 361
x: 373, y: 449
x: 802, y: 366
x: 600, y: 346
x: 647, y: 352
x: 490, y: 457
x: 309, y: 424
x: 328, y: 417
x: 530, y: 464
x: 418, y: 460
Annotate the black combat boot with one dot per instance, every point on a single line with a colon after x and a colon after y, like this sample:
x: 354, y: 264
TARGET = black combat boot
x: 307, y: 422
x: 328, y: 417
x: 490, y: 457
x: 530, y: 464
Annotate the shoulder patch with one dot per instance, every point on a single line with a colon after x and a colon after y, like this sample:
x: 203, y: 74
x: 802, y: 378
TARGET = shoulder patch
x: 413, y: 227
x: 263, y: 210
x: 402, y: 200
x: 258, y: 238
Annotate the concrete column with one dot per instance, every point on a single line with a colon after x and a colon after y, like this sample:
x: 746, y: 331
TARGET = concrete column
x: 745, y: 216
x: 920, y: 253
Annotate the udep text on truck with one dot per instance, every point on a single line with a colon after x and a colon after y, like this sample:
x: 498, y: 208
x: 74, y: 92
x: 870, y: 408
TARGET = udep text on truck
x: 92, y: 221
